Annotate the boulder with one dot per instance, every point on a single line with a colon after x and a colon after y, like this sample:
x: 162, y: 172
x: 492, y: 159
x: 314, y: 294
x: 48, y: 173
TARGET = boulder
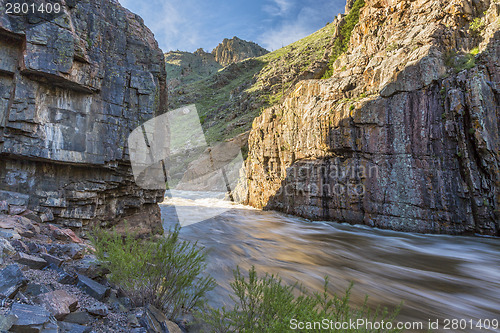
x: 11, y: 280
x: 91, y: 267
x: 98, y: 310
x: 36, y: 247
x: 9, y: 233
x: 32, y: 216
x: 65, y: 327
x: 139, y: 330
x: 73, y: 251
x: 66, y: 235
x: 59, y: 302
x: 26, y: 233
x: 46, y: 214
x: 30, y: 261
x: 35, y: 289
x: 93, y: 288
x: 4, y: 207
x: 122, y: 304
x: 155, y: 321
x: 79, y: 317
x: 13, y: 227
x: 132, y: 321
x: 52, y: 260
x: 6, y: 249
x: 21, y: 298
x: 20, y: 246
x: 7, y: 222
x: 6, y: 322
x: 17, y: 210
x: 32, y: 318
x: 68, y: 278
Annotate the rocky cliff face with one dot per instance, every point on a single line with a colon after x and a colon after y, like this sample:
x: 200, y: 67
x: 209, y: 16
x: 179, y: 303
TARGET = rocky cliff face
x: 72, y: 89
x: 235, y: 49
x: 405, y: 135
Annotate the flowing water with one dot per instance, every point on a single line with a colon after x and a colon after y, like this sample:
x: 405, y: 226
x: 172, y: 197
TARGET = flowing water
x: 436, y: 276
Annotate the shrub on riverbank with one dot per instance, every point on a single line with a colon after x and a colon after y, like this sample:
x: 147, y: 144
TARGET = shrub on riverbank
x: 265, y: 304
x: 164, y: 272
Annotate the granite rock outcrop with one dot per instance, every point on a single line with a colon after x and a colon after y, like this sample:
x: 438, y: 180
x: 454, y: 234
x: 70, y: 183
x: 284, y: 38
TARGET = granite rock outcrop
x: 236, y: 49
x: 53, y: 283
x: 403, y: 136
x: 72, y: 88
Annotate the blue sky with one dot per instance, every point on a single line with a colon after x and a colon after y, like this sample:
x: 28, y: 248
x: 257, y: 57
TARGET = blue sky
x: 187, y: 25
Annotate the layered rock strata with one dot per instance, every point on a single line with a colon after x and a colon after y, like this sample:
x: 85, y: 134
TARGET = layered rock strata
x: 404, y: 136
x: 72, y: 89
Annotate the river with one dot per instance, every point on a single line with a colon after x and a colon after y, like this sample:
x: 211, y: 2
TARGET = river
x: 436, y: 276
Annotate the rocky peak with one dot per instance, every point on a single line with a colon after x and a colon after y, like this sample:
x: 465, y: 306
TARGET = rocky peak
x: 200, y: 52
x: 184, y: 68
x: 235, y: 49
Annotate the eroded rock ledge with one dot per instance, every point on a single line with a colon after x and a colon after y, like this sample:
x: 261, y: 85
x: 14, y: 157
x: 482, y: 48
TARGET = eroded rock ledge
x: 72, y: 88
x: 404, y: 136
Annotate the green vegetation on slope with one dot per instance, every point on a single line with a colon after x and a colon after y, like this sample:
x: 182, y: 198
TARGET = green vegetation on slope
x: 341, y: 44
x: 230, y: 99
x: 460, y: 60
x: 189, y: 67
x: 164, y: 272
x: 218, y: 100
x: 284, y: 67
x: 169, y: 274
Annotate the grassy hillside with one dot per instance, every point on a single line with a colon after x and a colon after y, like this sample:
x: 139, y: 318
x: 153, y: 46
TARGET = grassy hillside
x: 230, y: 99
x: 191, y: 66
x: 185, y: 67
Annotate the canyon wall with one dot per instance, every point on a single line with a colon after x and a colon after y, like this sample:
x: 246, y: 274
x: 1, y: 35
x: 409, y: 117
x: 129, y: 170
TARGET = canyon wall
x: 73, y: 86
x: 403, y: 136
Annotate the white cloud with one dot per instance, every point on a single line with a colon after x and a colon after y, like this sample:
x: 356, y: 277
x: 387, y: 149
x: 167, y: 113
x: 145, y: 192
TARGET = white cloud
x: 291, y: 30
x: 278, y: 7
x: 173, y: 22
x: 283, y: 36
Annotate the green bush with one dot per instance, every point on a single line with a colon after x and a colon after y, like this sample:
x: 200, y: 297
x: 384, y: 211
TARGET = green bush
x: 267, y: 305
x: 460, y: 61
x: 203, y: 118
x: 164, y: 272
x: 477, y: 25
x: 341, y: 44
